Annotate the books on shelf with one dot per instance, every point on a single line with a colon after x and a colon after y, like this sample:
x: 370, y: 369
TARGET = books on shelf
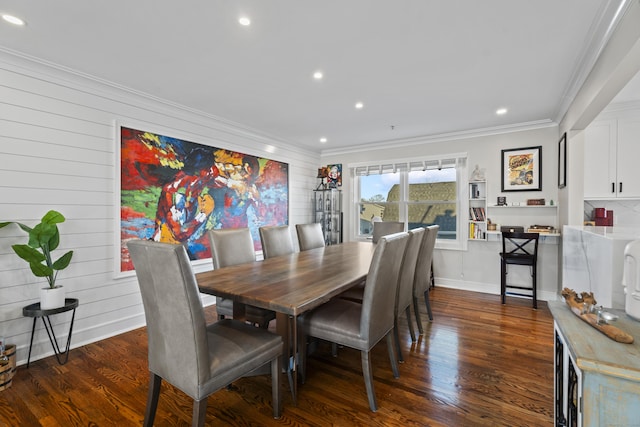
x: 477, y: 214
x: 476, y: 231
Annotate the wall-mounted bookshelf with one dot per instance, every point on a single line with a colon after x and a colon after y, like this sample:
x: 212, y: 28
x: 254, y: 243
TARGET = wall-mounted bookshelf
x: 477, y: 210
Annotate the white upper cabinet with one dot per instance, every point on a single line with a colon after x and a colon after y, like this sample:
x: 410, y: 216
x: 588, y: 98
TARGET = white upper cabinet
x: 612, y: 149
x: 628, y: 158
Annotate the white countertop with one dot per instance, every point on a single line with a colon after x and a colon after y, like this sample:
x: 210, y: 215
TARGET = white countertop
x: 613, y: 233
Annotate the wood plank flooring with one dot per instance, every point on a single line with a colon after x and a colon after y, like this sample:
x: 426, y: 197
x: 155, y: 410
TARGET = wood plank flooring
x: 479, y: 363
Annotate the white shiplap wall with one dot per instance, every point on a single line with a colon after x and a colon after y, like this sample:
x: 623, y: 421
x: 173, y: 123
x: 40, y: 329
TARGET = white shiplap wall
x: 57, y: 151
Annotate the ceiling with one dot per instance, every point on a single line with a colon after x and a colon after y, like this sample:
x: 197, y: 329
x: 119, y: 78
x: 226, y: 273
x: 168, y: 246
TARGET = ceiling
x: 422, y: 68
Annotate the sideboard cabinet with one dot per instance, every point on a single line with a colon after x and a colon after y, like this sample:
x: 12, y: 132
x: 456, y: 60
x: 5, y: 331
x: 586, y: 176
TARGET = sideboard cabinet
x: 597, y: 380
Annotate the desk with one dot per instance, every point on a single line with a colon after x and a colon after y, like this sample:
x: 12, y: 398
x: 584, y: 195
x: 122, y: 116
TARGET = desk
x: 290, y: 285
x: 35, y: 311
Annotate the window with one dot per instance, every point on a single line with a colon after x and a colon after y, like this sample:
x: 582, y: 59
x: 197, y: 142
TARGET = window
x: 418, y: 193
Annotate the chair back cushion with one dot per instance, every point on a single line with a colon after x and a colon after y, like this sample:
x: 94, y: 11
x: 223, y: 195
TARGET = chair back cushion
x: 176, y: 326
x: 310, y: 236
x: 276, y: 241
x: 231, y: 246
x: 425, y: 258
x: 383, y: 228
x: 379, y: 297
x: 408, y: 269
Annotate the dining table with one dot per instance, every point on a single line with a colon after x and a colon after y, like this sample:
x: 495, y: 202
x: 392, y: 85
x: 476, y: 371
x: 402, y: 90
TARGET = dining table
x: 290, y: 285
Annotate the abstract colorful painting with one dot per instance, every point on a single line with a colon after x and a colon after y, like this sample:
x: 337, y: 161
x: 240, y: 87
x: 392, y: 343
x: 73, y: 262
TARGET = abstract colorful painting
x: 174, y: 191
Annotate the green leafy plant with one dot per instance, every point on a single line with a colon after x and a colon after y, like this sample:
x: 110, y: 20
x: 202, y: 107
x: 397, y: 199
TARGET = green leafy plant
x: 43, y: 239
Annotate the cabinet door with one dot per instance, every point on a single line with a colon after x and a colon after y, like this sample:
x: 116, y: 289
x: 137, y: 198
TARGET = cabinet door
x: 600, y: 160
x: 628, y: 153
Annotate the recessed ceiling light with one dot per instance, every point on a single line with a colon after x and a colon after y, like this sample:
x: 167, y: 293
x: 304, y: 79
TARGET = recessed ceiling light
x: 244, y: 21
x: 323, y: 140
x: 359, y: 105
x: 13, y: 19
x: 501, y: 111
x: 318, y: 75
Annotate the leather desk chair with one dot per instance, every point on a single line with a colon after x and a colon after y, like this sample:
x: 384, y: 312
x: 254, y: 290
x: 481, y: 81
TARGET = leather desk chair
x: 382, y: 228
x: 196, y: 358
x: 276, y: 241
x: 519, y: 249
x: 422, y: 280
x: 234, y: 246
x: 361, y: 326
x: 309, y: 236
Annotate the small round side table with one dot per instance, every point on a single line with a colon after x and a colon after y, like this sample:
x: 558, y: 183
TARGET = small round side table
x: 34, y: 310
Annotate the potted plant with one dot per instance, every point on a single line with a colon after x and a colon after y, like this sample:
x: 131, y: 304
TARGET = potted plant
x: 43, y: 239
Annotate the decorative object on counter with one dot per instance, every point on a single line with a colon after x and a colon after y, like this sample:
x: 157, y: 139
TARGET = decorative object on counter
x: 511, y: 229
x: 490, y: 226
x: 43, y: 239
x: 477, y: 174
x: 562, y: 161
x: 584, y: 306
x: 502, y: 201
x: 522, y: 169
x: 603, y: 217
x: 541, y: 229
x: 536, y: 202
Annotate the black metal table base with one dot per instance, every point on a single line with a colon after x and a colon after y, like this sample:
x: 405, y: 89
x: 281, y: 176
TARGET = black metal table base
x: 34, y: 311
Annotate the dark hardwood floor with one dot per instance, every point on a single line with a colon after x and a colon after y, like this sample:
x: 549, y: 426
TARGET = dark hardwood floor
x: 480, y: 363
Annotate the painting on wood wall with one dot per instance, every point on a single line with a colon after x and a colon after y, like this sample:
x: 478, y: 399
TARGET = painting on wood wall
x: 174, y: 191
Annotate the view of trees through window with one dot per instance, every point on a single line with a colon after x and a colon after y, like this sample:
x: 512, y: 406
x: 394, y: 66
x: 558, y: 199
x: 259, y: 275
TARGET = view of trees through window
x: 418, y: 198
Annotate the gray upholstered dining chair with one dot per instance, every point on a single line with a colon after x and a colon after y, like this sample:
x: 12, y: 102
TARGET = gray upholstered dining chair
x: 422, y: 279
x: 196, y: 358
x: 361, y: 326
x: 382, y: 228
x: 310, y: 236
x: 404, y: 297
x: 276, y: 241
x: 232, y: 246
x: 404, y: 294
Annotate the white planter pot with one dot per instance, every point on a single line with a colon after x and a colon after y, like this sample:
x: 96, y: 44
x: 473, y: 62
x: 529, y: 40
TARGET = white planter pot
x: 52, y: 298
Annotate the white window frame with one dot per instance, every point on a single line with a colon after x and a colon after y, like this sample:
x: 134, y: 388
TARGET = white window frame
x: 403, y: 166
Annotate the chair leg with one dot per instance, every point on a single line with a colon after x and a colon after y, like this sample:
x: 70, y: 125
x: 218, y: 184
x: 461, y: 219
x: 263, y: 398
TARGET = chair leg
x: 276, y: 393
x: 152, y: 399
x: 199, y: 412
x: 416, y: 311
x: 535, y: 286
x: 392, y: 357
x: 410, y: 323
x: 302, y: 356
x: 503, y: 280
x: 428, y: 304
x: 368, y: 380
x: 396, y: 340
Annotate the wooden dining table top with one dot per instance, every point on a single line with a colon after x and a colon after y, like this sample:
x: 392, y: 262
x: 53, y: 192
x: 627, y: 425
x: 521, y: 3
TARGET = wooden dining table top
x: 294, y: 283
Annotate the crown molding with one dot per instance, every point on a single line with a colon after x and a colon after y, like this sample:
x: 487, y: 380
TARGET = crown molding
x: 610, y: 15
x: 451, y: 136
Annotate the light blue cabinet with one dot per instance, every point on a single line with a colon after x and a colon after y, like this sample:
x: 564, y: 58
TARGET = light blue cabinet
x: 597, y: 380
